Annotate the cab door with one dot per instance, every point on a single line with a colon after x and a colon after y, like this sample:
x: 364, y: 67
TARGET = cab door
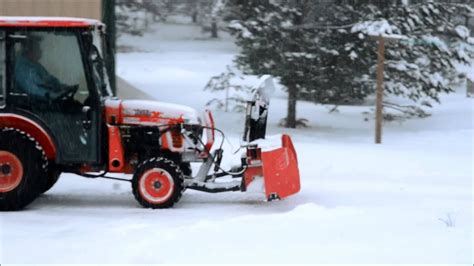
x: 49, y: 81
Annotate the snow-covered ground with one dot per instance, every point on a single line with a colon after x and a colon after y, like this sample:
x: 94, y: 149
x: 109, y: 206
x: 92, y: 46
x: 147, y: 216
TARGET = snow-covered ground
x: 408, y: 200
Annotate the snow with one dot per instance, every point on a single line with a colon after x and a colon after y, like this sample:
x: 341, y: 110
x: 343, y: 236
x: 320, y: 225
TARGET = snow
x: 353, y: 55
x: 436, y: 41
x: 270, y: 143
x: 287, y: 24
x: 437, y: 79
x: 15, y: 19
x: 169, y: 110
x: 408, y: 200
x: 236, y: 25
x: 304, y: 55
x: 257, y: 186
x: 373, y: 28
x: 378, y: 28
x: 48, y: 18
x: 329, y: 51
x: 462, y: 31
x: 466, y: 69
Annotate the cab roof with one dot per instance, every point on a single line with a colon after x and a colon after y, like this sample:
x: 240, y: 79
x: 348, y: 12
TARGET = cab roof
x: 48, y: 22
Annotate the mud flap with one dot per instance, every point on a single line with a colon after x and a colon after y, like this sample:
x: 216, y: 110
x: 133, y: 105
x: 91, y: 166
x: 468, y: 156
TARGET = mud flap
x: 278, y: 167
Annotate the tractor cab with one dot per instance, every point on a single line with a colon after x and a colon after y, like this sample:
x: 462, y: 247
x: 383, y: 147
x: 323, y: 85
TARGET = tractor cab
x: 52, y: 72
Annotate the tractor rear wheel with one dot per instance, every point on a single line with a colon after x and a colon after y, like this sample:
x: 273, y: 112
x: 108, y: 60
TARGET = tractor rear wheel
x: 52, y: 177
x: 22, y: 169
x: 158, y: 183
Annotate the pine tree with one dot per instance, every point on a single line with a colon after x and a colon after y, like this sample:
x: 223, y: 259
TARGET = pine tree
x: 324, y: 52
x: 128, y: 17
x: 135, y: 16
x: 343, y: 58
x: 270, y: 45
x: 422, y: 66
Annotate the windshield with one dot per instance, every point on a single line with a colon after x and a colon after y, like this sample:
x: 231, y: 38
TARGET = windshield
x: 47, y: 64
x: 99, y: 69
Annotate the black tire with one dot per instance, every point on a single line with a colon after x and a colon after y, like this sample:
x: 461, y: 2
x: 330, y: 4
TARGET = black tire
x: 186, y: 169
x: 52, y: 177
x: 158, y: 183
x: 27, y: 162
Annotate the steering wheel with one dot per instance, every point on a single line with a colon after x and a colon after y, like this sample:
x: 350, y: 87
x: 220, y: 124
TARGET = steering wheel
x: 67, y: 93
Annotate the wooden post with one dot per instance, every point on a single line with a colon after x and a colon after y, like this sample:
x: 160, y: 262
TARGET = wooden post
x: 379, y: 92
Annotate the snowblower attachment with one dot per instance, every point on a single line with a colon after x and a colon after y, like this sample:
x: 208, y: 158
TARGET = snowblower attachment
x: 269, y: 165
x: 273, y: 159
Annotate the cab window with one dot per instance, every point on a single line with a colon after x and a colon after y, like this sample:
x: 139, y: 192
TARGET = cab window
x: 48, y: 67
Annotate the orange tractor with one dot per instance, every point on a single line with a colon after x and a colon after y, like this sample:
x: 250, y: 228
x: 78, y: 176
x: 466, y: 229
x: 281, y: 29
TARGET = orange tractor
x: 58, y: 115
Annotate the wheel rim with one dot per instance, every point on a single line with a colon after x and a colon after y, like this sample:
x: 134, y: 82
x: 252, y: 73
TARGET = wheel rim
x: 11, y: 171
x: 156, y: 185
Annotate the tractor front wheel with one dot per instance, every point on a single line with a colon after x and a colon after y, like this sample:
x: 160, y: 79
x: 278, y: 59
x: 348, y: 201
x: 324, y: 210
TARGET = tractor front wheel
x: 158, y: 183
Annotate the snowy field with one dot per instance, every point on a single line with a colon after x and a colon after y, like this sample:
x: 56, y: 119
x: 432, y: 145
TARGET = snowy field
x: 406, y: 201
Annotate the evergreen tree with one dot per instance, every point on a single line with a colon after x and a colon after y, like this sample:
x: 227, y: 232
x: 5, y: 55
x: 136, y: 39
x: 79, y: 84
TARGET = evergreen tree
x: 324, y: 51
x: 270, y: 45
x: 135, y: 16
x: 422, y: 66
x: 128, y: 17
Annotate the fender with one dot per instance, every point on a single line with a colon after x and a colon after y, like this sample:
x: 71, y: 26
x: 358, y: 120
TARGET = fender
x: 32, y: 128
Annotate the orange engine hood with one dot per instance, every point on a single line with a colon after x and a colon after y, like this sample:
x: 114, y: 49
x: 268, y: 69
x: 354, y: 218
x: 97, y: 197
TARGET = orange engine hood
x: 142, y: 112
